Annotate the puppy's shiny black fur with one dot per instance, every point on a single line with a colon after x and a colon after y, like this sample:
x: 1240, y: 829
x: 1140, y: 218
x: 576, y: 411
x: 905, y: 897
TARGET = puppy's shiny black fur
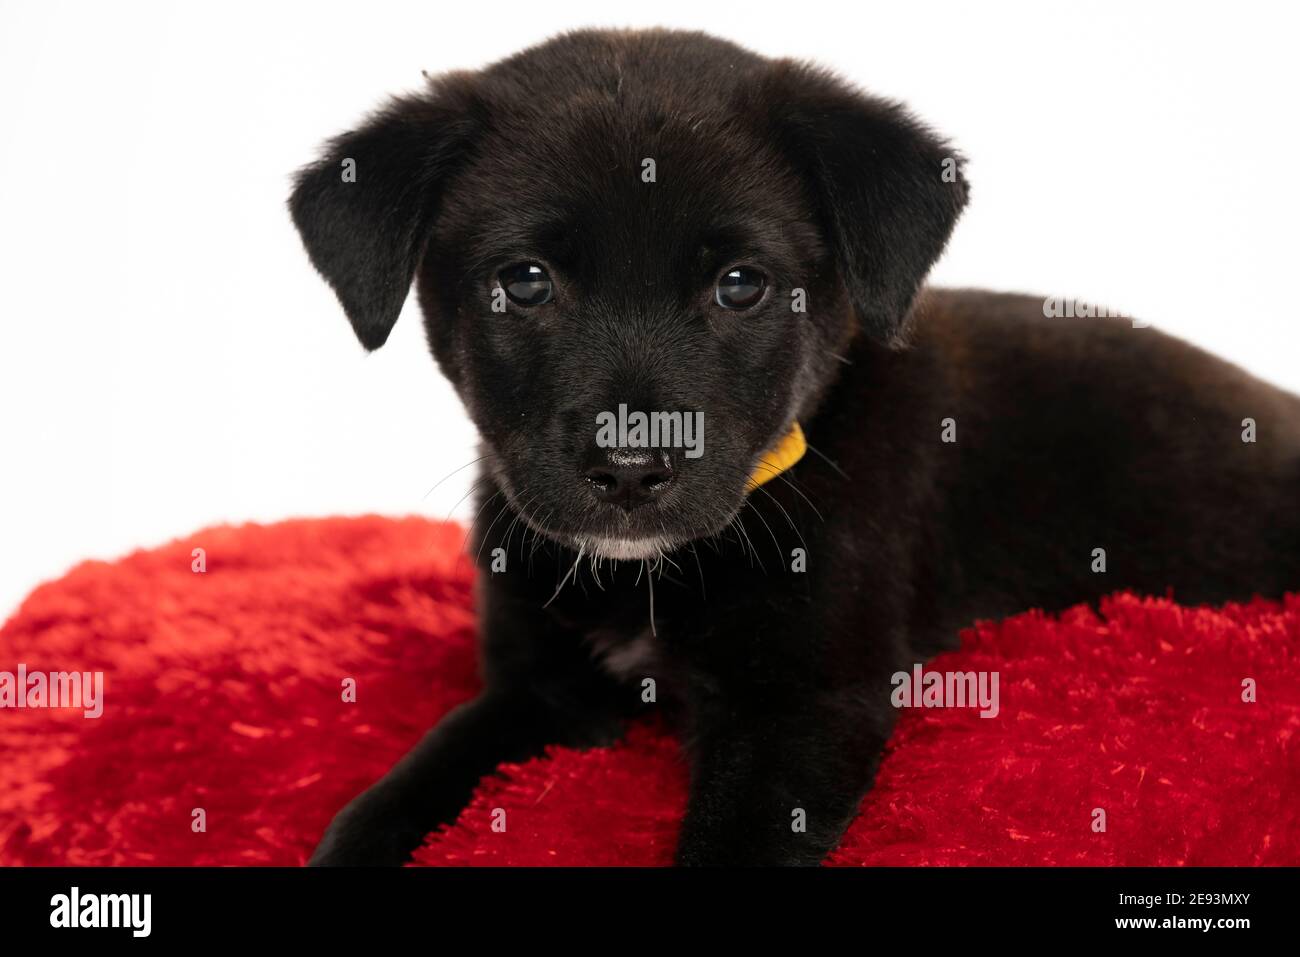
x: 1071, y: 434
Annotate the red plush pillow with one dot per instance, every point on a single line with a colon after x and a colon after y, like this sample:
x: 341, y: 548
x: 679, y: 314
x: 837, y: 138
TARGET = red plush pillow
x: 223, y: 695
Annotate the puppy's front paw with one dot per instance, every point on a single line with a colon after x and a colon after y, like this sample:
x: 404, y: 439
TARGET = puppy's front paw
x: 366, y: 833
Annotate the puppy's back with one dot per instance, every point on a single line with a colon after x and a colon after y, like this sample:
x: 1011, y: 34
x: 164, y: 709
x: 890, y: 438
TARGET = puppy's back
x: 1081, y: 433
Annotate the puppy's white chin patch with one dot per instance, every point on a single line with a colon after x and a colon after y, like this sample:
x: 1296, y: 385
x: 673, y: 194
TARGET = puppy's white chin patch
x: 625, y: 549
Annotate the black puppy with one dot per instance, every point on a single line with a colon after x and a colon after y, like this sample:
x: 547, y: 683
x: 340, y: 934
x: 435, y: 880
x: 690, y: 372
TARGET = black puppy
x: 667, y: 223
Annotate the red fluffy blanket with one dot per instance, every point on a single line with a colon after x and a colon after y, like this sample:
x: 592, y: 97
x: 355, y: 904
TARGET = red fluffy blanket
x: 225, y: 737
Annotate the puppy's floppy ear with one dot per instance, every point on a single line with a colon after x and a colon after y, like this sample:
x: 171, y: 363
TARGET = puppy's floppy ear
x: 365, y: 222
x: 887, y: 191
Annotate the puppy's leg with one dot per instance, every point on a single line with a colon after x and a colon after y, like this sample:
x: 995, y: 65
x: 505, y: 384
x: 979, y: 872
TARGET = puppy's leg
x: 434, y: 781
x: 787, y: 714
x: 780, y: 787
x: 542, y: 689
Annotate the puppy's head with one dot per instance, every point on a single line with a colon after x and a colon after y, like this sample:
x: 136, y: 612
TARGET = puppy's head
x: 621, y: 223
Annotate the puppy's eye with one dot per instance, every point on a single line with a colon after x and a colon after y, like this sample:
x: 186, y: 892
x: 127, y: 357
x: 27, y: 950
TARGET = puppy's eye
x: 740, y: 288
x: 526, y: 284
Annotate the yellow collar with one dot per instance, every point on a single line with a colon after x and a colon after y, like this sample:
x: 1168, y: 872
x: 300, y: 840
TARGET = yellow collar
x: 779, y: 457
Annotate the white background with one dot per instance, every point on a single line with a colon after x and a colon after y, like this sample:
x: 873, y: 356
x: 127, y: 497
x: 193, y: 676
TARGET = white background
x: 169, y: 360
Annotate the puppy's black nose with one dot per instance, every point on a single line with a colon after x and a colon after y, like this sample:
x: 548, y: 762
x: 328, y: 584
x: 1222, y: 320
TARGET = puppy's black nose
x: 628, y: 477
